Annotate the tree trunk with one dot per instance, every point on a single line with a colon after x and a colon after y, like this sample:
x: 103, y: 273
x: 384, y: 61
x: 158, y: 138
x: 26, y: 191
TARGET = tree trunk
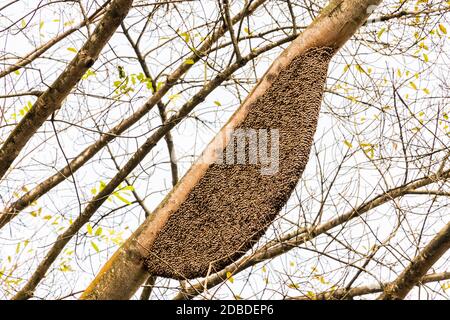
x: 288, y: 96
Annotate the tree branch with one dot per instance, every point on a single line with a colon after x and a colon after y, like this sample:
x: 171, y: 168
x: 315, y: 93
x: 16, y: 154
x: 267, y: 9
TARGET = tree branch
x: 420, y: 265
x: 346, y: 294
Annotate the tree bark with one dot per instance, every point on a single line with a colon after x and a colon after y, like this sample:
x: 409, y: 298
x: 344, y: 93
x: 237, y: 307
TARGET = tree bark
x: 51, y: 100
x: 122, y: 275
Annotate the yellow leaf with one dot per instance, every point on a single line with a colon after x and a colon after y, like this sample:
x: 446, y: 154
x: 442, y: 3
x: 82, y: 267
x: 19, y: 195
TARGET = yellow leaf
x: 124, y: 200
x: 348, y: 144
x: 380, y: 33
x: 442, y: 28
x: 425, y: 57
x: 65, y: 268
x: 174, y: 96
x: 99, y: 232
x: 71, y: 49
x: 189, y: 61
x: 230, y: 277
x: 413, y: 85
x: 359, y: 68
x: 89, y: 228
x: 94, y: 245
x: 426, y: 90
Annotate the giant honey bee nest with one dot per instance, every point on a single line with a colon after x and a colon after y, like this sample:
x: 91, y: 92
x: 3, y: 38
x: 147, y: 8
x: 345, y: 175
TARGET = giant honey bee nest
x: 232, y: 205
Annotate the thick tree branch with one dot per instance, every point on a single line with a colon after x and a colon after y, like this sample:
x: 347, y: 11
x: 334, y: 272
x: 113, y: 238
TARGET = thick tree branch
x: 346, y: 294
x: 418, y: 267
x: 124, y: 273
x: 122, y: 174
x: 294, y: 239
x: 13, y: 209
x: 51, y: 100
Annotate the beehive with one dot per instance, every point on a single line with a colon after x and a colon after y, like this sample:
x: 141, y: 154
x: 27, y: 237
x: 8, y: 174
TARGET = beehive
x: 231, y: 206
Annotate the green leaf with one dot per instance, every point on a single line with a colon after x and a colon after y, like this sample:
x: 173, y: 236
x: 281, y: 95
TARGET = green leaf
x: 217, y: 103
x: 88, y: 73
x: 380, y: 33
x: 122, y: 73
